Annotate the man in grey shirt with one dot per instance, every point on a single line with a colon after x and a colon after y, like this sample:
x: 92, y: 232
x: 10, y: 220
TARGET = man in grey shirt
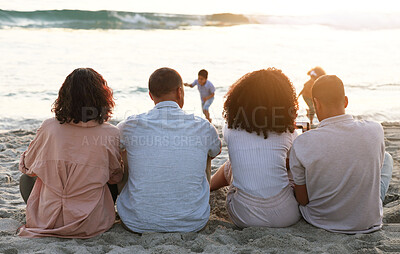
x: 341, y: 171
x: 167, y: 152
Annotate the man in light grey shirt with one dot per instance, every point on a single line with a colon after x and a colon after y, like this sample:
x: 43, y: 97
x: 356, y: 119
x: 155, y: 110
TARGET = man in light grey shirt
x: 341, y: 171
x: 167, y: 151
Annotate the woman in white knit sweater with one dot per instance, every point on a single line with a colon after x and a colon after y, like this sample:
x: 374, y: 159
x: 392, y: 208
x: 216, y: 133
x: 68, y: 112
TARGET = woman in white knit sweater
x: 260, y: 112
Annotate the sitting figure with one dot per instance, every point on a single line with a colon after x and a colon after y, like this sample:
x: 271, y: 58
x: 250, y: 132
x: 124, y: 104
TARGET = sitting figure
x: 340, y: 169
x: 260, y: 112
x: 167, y: 152
x: 70, y: 162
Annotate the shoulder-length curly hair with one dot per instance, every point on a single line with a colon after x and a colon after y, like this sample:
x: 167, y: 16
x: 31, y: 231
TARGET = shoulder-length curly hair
x: 84, y: 96
x: 262, y: 101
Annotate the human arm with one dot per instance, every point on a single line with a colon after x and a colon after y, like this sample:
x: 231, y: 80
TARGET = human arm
x: 126, y: 171
x: 211, y: 91
x: 290, y: 175
x: 194, y: 83
x: 208, y: 97
x: 117, y: 163
x: 214, y: 142
x: 35, y: 149
x: 299, y: 178
x: 300, y: 192
x: 215, y: 146
x: 23, y: 168
x: 218, y: 180
x: 306, y: 91
x: 116, y: 168
x: 208, y: 169
x: 301, y: 92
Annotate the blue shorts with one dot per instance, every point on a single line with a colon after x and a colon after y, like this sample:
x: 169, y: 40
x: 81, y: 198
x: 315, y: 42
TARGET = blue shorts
x: 206, y: 104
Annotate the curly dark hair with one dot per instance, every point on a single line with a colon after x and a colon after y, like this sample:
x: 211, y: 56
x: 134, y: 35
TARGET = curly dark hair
x: 262, y: 101
x: 84, y: 96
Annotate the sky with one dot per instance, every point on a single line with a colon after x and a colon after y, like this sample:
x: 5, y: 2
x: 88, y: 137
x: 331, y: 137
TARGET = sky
x: 269, y: 7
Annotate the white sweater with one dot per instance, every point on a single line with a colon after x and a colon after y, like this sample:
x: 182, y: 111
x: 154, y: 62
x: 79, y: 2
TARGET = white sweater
x: 258, y: 164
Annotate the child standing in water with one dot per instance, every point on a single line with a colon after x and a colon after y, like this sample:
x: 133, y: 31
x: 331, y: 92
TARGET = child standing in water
x: 207, y: 91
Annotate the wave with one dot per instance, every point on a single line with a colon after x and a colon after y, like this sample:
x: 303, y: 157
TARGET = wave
x: 79, y: 19
x: 382, y: 116
x: 390, y: 86
x: 343, y: 20
x: 130, y: 91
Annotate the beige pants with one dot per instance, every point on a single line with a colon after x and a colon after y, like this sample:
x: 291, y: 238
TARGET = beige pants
x: 246, y: 210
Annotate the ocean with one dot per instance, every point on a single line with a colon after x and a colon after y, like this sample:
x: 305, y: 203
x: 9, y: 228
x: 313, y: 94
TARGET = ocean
x: 40, y: 48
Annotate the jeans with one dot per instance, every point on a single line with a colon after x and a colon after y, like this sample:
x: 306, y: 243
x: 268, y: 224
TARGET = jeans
x: 386, y: 174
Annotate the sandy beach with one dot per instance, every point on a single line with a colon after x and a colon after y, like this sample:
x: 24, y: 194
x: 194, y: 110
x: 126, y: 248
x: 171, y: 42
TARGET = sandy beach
x: 219, y: 236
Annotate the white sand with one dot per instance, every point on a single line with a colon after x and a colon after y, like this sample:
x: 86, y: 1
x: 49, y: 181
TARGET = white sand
x: 220, y: 236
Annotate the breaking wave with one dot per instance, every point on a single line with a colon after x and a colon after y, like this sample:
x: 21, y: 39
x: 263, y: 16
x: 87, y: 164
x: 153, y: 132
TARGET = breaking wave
x: 81, y: 19
x: 78, y: 19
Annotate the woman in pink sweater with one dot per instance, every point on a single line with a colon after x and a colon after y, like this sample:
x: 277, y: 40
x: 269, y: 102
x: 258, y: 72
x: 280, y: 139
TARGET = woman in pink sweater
x: 70, y: 162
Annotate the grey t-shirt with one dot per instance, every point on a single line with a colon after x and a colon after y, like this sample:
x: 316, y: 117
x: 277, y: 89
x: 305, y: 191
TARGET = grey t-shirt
x: 205, y: 90
x: 167, y: 189
x: 340, y: 163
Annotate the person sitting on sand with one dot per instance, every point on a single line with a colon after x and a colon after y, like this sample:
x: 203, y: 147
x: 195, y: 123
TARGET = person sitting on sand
x: 207, y: 92
x: 340, y: 169
x: 70, y: 162
x: 260, y: 112
x: 306, y: 92
x: 167, y: 149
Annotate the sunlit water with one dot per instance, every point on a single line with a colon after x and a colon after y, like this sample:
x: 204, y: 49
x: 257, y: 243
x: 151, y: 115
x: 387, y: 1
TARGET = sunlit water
x: 34, y: 63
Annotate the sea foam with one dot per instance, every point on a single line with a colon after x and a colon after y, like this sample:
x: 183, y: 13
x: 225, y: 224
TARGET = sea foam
x: 105, y: 19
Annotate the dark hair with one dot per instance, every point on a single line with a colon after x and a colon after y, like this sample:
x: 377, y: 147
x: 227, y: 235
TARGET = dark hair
x: 84, y: 96
x: 164, y: 81
x: 318, y: 70
x: 203, y: 73
x: 329, y: 90
x: 262, y: 101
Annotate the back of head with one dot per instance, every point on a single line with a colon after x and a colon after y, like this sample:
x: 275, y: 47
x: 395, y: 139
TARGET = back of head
x: 164, y: 81
x: 329, y: 90
x: 203, y: 73
x: 84, y: 96
x: 261, y: 101
x: 316, y: 72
